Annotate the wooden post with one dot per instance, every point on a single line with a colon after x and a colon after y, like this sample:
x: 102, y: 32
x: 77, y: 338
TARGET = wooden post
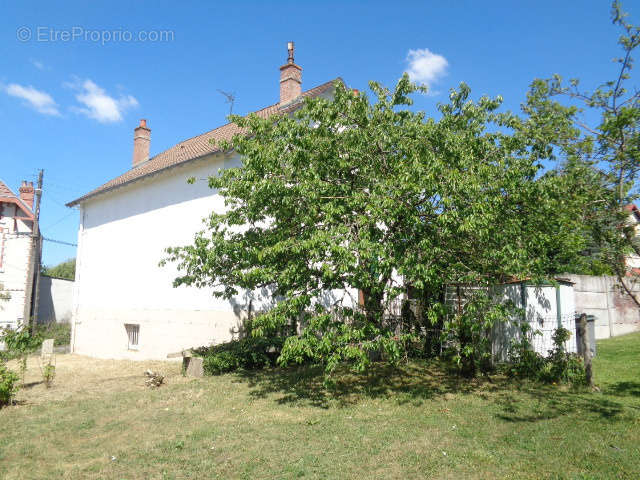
x: 37, y: 256
x: 583, y: 331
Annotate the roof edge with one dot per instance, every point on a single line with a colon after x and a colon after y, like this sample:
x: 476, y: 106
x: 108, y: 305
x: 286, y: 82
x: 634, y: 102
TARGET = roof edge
x: 99, y: 190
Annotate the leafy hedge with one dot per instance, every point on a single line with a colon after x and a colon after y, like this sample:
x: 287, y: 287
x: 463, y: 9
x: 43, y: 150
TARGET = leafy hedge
x: 60, y: 332
x: 558, y: 367
x: 248, y: 353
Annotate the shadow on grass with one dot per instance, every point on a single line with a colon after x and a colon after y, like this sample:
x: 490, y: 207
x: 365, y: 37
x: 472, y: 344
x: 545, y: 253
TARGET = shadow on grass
x: 511, y: 400
x: 31, y: 384
x: 624, y: 389
x: 537, y: 402
x: 413, y: 382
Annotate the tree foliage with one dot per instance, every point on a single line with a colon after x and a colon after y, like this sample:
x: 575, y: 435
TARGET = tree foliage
x: 353, y: 195
x: 66, y: 270
x: 607, y: 151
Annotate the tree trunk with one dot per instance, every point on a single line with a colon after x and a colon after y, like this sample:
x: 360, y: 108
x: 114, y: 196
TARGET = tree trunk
x: 583, y: 333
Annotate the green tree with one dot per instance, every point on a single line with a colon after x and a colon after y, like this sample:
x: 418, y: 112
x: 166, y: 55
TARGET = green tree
x: 351, y: 195
x: 609, y: 147
x: 66, y: 269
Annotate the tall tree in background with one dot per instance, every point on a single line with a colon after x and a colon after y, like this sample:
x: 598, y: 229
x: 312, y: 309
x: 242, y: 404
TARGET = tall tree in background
x: 66, y: 270
x: 608, y: 153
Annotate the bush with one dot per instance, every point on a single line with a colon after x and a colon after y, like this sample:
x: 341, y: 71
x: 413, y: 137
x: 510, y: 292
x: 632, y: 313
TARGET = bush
x: 60, y: 332
x: 558, y: 367
x: 467, y: 334
x: 8, y: 384
x: 20, y: 343
x: 48, y: 374
x: 248, y: 353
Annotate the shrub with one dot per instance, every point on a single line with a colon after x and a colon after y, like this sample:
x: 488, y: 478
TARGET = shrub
x: 8, y: 384
x: 467, y: 333
x: 20, y: 343
x: 558, y: 367
x: 48, y: 374
x: 247, y: 353
x: 60, y: 332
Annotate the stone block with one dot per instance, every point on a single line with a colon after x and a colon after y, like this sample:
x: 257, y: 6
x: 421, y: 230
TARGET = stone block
x: 193, y: 366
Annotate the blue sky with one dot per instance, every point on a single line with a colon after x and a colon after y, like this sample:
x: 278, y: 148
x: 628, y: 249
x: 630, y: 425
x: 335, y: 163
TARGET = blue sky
x: 74, y: 83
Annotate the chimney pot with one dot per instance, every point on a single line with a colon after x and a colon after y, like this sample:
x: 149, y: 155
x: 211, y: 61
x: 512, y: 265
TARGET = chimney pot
x: 141, y: 143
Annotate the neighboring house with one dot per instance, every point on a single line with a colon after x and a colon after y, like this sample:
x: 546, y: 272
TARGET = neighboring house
x: 124, y: 304
x: 16, y: 264
x: 633, y: 260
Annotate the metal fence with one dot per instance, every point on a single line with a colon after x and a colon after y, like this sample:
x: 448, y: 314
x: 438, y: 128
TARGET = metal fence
x: 543, y: 329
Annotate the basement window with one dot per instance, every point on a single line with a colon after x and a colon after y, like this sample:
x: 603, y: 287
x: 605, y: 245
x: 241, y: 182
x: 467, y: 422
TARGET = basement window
x: 133, y: 335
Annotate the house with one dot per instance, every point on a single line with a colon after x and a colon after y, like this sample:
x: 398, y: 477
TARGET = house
x: 124, y: 304
x: 632, y: 259
x: 16, y: 254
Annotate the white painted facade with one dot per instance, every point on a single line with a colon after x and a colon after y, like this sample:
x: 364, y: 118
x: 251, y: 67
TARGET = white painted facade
x: 15, y: 267
x: 122, y: 237
x: 121, y: 240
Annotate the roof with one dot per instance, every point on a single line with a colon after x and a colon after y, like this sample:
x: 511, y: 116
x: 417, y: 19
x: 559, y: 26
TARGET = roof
x: 7, y: 196
x: 631, y: 208
x: 196, y: 147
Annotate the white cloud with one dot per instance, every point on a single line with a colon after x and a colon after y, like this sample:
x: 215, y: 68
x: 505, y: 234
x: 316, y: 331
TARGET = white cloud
x: 425, y: 66
x: 97, y: 104
x: 37, y: 99
x: 38, y: 64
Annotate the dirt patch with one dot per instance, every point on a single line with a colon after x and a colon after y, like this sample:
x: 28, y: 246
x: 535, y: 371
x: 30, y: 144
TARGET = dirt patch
x: 78, y: 377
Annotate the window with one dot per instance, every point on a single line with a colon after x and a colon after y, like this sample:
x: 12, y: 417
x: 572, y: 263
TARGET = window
x: 133, y: 335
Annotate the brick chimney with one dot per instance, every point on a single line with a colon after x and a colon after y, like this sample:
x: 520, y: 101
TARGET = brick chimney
x: 290, y: 79
x: 141, y: 143
x: 26, y: 193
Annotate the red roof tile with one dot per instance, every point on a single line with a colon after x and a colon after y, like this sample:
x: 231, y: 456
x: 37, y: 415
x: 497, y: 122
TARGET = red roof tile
x: 193, y: 148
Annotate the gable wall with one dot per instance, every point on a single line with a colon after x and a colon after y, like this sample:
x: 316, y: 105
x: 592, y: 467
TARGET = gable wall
x: 121, y: 239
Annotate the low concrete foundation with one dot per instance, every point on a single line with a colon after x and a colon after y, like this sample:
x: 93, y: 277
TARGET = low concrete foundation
x: 102, y: 333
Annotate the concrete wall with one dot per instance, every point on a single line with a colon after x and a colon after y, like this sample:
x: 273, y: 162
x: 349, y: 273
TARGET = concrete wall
x: 55, y: 300
x: 616, y: 313
x: 15, y: 268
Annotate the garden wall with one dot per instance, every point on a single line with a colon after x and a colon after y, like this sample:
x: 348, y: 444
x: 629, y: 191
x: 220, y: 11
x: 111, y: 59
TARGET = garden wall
x: 603, y: 297
x: 55, y: 301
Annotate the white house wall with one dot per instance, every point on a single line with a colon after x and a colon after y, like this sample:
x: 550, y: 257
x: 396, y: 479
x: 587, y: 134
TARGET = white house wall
x: 122, y: 238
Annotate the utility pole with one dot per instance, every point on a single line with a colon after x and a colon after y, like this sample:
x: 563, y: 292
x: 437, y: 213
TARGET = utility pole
x: 37, y: 253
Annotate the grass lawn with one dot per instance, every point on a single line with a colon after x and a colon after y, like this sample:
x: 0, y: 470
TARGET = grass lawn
x: 100, y: 421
